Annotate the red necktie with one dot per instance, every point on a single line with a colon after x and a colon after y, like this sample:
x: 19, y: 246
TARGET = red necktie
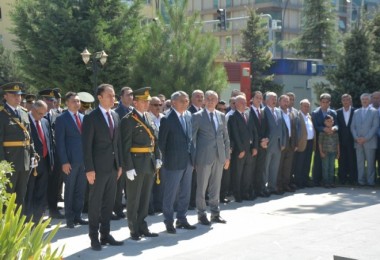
x: 110, y: 124
x: 42, y: 138
x: 78, y: 122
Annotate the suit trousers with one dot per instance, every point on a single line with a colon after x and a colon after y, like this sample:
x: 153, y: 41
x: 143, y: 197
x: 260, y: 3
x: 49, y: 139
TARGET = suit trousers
x: 19, y: 181
x: 285, y: 169
x: 121, y: 183
x: 36, y: 195
x: 209, y: 177
x: 138, y: 194
x: 53, y: 185
x: 258, y: 170
x: 347, y: 164
x: 317, y: 167
x: 75, y: 187
x: 365, y: 154
x: 272, y: 163
x: 303, y: 161
x: 242, y: 177
x: 177, y: 185
x: 100, y: 203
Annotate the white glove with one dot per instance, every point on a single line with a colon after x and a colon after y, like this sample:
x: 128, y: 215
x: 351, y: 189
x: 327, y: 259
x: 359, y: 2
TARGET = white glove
x: 158, y: 164
x: 131, y: 174
x: 33, y: 162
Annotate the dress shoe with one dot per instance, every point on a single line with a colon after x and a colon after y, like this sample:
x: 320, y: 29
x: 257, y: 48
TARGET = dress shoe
x: 218, y: 219
x: 115, y: 217
x: 185, y: 225
x: 120, y: 215
x: 80, y: 221
x: 289, y: 189
x: 108, y: 239
x: 203, y: 220
x: 252, y: 197
x: 56, y: 215
x: 149, y: 234
x: 224, y: 200
x: 293, y: 186
x: 135, y: 236
x: 170, y: 229
x: 70, y: 225
x: 95, y: 245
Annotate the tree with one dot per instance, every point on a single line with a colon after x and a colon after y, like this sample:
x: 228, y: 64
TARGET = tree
x: 51, y: 34
x: 176, y: 55
x: 8, y: 66
x: 318, y: 39
x: 255, y: 49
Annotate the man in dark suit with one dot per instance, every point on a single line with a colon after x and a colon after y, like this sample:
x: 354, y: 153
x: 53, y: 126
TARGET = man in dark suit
x: 16, y: 143
x: 101, y: 149
x: 49, y: 97
x: 318, y: 117
x: 347, y: 160
x: 176, y: 147
x: 276, y: 136
x: 258, y: 120
x: 68, y: 139
x: 125, y: 107
x: 141, y: 158
x: 245, y: 144
x: 36, y: 195
x: 197, y: 102
x: 212, y: 144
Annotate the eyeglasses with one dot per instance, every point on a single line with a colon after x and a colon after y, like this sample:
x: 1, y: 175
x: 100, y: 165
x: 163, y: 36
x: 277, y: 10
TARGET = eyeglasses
x: 157, y: 105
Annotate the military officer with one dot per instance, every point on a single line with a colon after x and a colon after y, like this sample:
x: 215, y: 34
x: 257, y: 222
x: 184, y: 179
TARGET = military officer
x: 141, y: 158
x: 86, y: 99
x: 16, y: 144
x: 30, y: 99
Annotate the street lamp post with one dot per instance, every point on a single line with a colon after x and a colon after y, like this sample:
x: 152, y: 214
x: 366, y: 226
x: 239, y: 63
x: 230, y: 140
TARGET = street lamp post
x: 94, y: 62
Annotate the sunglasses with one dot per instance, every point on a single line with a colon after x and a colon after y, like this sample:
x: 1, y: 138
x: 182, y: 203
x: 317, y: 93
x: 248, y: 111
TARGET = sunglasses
x: 157, y: 105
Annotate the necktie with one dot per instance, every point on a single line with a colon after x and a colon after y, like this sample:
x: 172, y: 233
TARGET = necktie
x: 274, y: 115
x: 182, y: 120
x: 110, y: 124
x: 243, y: 115
x: 212, y: 121
x: 79, y: 124
x: 16, y: 113
x: 42, y: 138
x: 259, y: 115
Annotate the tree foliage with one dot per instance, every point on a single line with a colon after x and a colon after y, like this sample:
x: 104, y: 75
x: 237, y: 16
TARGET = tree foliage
x: 176, y: 55
x: 255, y: 49
x: 319, y: 36
x: 51, y: 34
x: 8, y: 66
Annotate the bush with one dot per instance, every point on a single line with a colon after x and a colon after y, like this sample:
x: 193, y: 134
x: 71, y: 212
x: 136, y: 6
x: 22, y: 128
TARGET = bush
x: 20, y: 239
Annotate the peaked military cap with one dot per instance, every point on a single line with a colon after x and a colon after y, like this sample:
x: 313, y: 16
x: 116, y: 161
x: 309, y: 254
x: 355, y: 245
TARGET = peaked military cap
x: 57, y: 93
x: 47, y: 93
x: 30, y: 98
x: 142, y: 94
x: 13, y: 87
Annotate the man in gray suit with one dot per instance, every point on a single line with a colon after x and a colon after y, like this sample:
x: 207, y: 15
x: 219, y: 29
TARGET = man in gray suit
x: 364, y: 126
x: 276, y: 135
x: 212, y: 151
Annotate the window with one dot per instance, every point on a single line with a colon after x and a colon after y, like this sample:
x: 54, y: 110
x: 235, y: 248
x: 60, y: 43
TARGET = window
x: 228, y: 3
x: 216, y: 4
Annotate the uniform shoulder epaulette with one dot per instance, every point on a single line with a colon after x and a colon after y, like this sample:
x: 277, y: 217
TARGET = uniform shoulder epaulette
x: 128, y: 114
x: 23, y: 108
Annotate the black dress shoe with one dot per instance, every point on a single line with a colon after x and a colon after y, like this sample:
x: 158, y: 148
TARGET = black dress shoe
x: 120, y: 215
x: 218, y: 219
x: 204, y: 221
x: 56, y: 215
x: 149, y: 234
x: 70, y: 225
x: 224, y: 200
x: 95, y: 245
x: 170, y: 229
x: 135, y: 236
x: 115, y: 217
x: 185, y: 225
x: 108, y: 239
x: 252, y: 197
x: 80, y: 221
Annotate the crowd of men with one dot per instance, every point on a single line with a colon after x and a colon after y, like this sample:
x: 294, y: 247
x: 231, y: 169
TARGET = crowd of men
x: 175, y: 155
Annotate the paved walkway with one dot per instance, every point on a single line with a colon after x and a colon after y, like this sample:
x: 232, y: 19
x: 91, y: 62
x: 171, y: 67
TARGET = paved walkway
x: 314, y: 223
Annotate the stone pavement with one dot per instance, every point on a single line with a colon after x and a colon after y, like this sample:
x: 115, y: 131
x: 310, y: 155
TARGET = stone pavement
x: 313, y: 223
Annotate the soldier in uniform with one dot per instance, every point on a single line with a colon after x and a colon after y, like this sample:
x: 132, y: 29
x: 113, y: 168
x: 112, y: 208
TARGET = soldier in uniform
x: 86, y: 99
x: 30, y: 99
x: 16, y: 144
x: 141, y: 158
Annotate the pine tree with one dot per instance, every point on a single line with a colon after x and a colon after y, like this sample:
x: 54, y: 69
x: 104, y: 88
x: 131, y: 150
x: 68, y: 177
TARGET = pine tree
x: 255, y: 49
x: 176, y: 55
x: 51, y: 34
x: 319, y: 36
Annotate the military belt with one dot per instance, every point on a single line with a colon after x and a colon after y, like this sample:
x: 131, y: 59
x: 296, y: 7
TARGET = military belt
x: 142, y: 150
x: 16, y: 143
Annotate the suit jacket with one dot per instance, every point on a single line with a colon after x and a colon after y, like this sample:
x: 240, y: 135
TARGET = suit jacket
x: 210, y: 146
x: 276, y: 130
x: 38, y: 146
x: 175, y: 144
x: 68, y: 139
x: 192, y: 109
x: 345, y: 135
x: 10, y: 131
x: 260, y: 125
x: 133, y: 134
x: 319, y: 119
x: 365, y: 126
x: 242, y: 134
x: 101, y: 152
